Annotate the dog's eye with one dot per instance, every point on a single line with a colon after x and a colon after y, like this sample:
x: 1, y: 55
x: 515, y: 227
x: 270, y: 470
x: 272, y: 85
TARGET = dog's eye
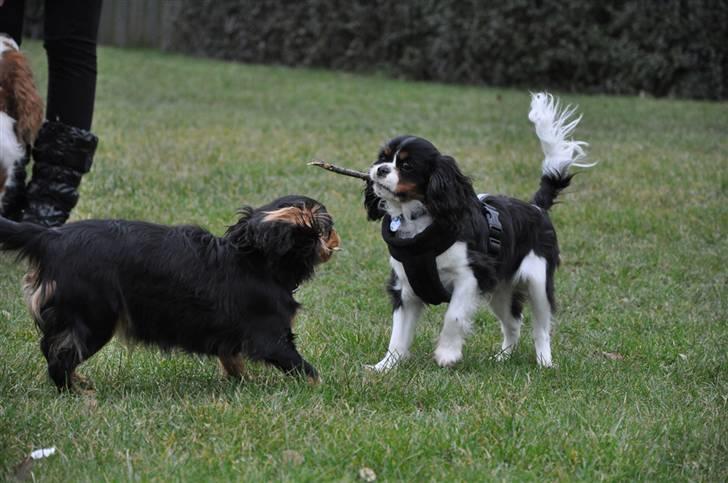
x: 406, y: 167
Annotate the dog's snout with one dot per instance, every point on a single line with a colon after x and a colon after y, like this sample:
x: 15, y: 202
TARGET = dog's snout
x: 383, y: 171
x: 329, y: 245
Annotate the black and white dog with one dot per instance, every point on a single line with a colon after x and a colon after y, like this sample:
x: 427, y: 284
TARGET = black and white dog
x: 448, y: 244
x: 173, y: 286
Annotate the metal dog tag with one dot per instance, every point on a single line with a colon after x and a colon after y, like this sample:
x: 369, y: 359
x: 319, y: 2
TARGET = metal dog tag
x: 395, y: 223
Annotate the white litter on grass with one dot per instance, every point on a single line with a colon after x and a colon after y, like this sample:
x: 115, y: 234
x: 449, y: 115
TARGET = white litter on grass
x: 43, y: 453
x: 367, y: 474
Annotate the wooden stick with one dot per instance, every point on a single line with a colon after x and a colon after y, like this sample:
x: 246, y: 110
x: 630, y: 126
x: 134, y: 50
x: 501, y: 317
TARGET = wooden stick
x: 336, y: 169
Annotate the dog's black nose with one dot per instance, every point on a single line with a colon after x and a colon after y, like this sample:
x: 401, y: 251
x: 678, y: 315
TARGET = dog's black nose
x: 383, y: 171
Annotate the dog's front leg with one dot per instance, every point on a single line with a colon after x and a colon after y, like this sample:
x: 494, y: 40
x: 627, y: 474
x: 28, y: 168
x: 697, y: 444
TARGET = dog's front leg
x: 285, y: 357
x: 404, y: 322
x: 458, y: 321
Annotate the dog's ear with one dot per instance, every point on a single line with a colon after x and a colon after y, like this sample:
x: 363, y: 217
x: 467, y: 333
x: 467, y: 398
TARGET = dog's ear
x: 449, y: 192
x: 291, y: 230
x: 372, y: 203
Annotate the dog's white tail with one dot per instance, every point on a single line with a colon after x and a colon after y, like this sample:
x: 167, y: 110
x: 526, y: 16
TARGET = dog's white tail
x: 553, y: 127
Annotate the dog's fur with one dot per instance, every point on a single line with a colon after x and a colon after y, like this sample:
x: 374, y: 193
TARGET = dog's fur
x: 21, y: 111
x: 412, y: 180
x: 174, y: 287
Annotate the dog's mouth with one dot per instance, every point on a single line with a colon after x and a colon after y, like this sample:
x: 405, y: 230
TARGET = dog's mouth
x: 329, y: 245
x: 384, y: 192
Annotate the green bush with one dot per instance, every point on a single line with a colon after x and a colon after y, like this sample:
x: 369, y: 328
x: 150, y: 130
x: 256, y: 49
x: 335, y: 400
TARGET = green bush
x: 665, y: 48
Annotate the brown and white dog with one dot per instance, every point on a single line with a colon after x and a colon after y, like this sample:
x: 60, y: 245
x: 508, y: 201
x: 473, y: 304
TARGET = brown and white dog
x: 21, y: 113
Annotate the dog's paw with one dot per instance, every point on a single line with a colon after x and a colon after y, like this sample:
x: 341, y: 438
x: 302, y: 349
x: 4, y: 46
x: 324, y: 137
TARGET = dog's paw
x: 385, y: 365
x: 81, y: 382
x: 544, y: 360
x: 502, y: 356
x: 81, y: 385
x: 447, y: 356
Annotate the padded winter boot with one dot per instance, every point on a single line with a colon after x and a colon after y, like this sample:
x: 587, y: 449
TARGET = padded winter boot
x: 13, y: 199
x: 62, y: 154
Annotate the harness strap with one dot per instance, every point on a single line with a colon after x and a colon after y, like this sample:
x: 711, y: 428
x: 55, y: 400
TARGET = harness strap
x: 495, y: 229
x: 418, y: 257
x: 418, y: 254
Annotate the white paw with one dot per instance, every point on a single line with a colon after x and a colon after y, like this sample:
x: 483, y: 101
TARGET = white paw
x: 447, y: 356
x: 544, y: 360
x: 502, y: 356
x: 386, y: 364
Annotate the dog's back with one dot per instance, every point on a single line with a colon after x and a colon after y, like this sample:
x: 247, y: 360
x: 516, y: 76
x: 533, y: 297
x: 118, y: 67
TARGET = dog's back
x: 166, y: 276
x: 145, y: 282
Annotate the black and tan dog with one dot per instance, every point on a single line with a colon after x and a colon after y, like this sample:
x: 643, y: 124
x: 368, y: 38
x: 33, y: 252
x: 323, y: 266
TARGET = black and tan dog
x: 174, y: 287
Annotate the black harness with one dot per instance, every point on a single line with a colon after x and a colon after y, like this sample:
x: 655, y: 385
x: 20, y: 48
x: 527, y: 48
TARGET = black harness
x: 495, y: 229
x: 418, y: 254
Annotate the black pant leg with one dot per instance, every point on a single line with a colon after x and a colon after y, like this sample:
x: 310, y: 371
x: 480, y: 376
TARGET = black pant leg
x: 12, y: 13
x: 70, y: 37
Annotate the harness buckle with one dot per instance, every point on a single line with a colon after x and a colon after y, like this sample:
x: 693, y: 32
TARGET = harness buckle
x: 495, y: 229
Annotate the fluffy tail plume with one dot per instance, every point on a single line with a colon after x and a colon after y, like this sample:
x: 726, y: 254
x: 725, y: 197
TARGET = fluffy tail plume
x: 26, y: 238
x: 553, y: 128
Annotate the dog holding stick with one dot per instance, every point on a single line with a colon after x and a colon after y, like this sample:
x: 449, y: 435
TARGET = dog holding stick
x: 449, y: 245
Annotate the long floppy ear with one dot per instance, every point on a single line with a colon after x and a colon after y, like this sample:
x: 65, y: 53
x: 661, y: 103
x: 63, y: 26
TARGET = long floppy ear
x: 449, y: 192
x: 26, y: 105
x: 291, y: 230
x: 372, y: 203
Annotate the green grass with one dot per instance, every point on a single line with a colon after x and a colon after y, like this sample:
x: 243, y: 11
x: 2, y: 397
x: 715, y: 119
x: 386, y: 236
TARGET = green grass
x: 643, y: 238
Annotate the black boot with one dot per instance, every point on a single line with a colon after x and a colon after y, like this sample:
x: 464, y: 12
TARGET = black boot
x: 13, y: 200
x: 61, y: 155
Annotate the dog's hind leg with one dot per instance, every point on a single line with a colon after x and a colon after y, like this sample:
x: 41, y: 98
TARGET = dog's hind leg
x: 233, y: 365
x: 533, y: 271
x: 67, y: 342
x: 507, y: 304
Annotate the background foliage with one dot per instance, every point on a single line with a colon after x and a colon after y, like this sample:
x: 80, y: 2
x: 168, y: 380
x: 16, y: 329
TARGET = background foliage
x: 665, y: 48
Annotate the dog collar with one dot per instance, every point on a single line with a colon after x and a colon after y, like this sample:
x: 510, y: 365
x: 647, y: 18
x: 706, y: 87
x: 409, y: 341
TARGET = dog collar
x: 396, y: 222
x: 417, y: 255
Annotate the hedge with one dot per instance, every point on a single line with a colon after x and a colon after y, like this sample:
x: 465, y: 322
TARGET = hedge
x: 664, y: 48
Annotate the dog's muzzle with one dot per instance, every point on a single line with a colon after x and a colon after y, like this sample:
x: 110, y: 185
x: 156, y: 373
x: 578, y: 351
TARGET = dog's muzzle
x: 329, y: 245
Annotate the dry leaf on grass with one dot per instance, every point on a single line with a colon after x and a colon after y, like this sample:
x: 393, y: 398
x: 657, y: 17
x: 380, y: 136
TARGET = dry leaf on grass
x: 292, y: 457
x: 613, y: 356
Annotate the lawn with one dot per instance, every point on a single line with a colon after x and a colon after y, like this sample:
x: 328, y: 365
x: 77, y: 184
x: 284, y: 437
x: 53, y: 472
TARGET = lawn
x: 641, y: 384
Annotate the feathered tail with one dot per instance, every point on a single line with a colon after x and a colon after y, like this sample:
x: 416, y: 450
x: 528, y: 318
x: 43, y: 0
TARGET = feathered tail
x: 553, y: 127
x: 28, y: 239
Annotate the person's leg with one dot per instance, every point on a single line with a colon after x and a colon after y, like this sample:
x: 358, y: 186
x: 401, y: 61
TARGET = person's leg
x: 12, y: 13
x: 71, y: 32
x: 65, y: 147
